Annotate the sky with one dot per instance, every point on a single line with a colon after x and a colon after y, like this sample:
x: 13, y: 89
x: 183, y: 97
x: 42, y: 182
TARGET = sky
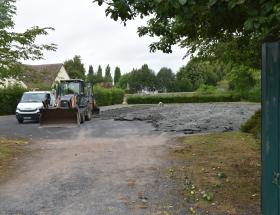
x: 81, y: 28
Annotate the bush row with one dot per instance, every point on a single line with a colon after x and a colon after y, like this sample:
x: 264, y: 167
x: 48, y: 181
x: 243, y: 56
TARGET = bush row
x: 9, y: 97
x: 106, y: 96
x: 196, y: 98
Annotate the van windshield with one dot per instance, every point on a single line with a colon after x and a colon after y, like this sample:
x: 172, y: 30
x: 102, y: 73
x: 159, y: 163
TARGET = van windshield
x: 33, y: 97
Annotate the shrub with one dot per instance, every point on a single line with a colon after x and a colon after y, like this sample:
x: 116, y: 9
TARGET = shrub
x: 117, y: 96
x: 207, y: 90
x: 253, y: 125
x: 108, y: 96
x: 183, y: 98
x: 9, y: 98
x: 253, y: 95
x: 103, y: 96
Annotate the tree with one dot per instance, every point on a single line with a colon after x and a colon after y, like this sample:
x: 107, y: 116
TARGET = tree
x: 15, y: 46
x: 183, y: 85
x: 242, y: 78
x: 142, y: 79
x: 99, y: 76
x: 201, y: 25
x: 108, y: 76
x: 75, y: 68
x: 124, y: 81
x: 165, y: 79
x: 91, y: 76
x: 192, y: 74
x: 117, y: 75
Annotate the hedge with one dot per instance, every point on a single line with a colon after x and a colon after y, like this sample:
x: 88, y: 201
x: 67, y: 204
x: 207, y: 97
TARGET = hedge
x: 117, y: 96
x: 196, y: 98
x: 9, y: 97
x: 108, y: 96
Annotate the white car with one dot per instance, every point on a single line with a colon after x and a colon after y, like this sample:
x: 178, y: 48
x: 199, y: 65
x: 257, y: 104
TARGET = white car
x: 30, y: 104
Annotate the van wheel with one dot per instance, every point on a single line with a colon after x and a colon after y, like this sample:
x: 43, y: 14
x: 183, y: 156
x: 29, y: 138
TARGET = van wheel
x: 20, y: 120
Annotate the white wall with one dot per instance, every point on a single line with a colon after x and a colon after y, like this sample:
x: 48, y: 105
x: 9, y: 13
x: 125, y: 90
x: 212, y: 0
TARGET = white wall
x: 62, y: 75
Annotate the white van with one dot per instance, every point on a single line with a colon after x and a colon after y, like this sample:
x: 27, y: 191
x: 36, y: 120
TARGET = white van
x: 30, y: 104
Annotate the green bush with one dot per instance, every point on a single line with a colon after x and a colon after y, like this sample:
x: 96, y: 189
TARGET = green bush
x: 9, y: 98
x: 207, y: 90
x: 192, y: 98
x: 253, y: 125
x: 253, y: 95
x: 108, y: 96
x: 117, y: 96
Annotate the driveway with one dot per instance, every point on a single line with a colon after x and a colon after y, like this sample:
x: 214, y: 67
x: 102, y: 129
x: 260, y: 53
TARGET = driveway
x: 114, y: 164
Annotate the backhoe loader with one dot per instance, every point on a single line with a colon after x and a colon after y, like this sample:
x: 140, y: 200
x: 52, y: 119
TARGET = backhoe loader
x: 75, y: 104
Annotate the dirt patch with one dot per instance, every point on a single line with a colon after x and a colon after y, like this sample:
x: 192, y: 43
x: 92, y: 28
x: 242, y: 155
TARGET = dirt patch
x: 10, y: 151
x: 219, y: 173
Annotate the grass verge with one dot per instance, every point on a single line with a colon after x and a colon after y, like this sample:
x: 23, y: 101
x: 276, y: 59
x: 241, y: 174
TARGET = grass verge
x: 219, y: 173
x: 9, y: 151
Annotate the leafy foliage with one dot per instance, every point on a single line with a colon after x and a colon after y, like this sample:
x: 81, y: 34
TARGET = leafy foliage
x: 124, y: 81
x: 142, y: 79
x: 183, y: 85
x: 198, y: 72
x: 108, y: 96
x: 9, y: 98
x: 117, y: 76
x: 75, y: 68
x: 99, y: 76
x: 117, y: 96
x: 253, y: 125
x: 108, y: 76
x: 16, y: 46
x: 201, y: 25
x: 165, y: 79
x: 242, y: 78
x: 91, y: 76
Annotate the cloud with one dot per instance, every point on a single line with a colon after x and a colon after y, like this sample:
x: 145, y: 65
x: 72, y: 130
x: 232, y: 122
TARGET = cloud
x: 81, y: 28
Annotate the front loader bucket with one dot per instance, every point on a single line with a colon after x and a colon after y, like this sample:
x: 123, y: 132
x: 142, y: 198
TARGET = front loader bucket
x: 59, y: 117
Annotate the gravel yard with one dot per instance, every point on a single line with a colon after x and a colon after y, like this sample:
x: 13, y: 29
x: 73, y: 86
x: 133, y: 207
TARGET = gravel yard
x: 187, y: 118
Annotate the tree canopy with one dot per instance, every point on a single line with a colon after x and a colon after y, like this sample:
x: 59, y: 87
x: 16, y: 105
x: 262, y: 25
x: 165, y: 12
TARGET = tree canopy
x: 142, y: 79
x: 75, y: 67
x: 202, y: 25
x: 15, y: 46
x: 165, y: 79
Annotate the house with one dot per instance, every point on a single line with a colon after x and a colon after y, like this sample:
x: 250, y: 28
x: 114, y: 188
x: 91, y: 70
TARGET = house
x: 43, y: 76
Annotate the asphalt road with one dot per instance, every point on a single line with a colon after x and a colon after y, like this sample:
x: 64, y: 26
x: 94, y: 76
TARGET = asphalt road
x: 106, y: 166
x: 102, y: 167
